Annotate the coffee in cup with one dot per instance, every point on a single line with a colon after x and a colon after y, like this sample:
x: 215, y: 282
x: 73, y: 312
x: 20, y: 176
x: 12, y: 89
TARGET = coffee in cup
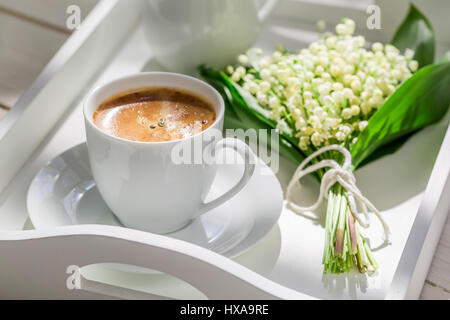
x: 154, y: 114
x: 134, y: 168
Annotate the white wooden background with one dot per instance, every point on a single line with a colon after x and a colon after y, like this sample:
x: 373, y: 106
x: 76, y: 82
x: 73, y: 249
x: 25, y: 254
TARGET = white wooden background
x: 31, y: 31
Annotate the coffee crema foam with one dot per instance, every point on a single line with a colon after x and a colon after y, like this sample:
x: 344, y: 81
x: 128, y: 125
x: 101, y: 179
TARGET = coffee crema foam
x: 154, y: 114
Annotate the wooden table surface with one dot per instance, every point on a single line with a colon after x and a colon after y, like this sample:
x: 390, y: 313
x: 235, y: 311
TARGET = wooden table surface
x: 31, y: 35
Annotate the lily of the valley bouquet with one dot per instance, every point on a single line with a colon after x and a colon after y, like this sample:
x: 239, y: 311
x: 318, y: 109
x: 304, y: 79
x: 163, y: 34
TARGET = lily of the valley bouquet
x: 338, y: 105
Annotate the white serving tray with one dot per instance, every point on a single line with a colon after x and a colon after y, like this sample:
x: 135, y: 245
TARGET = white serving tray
x: 411, y: 188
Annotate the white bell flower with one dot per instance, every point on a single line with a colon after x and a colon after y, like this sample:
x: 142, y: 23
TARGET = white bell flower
x: 327, y: 91
x: 243, y: 59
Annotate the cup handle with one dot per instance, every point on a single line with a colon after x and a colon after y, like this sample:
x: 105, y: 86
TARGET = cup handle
x: 250, y: 163
x: 266, y: 10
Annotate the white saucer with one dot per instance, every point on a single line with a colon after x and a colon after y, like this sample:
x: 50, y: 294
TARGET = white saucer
x: 64, y: 193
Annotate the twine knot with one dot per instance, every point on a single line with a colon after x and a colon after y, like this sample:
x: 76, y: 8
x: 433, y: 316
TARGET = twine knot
x: 336, y: 173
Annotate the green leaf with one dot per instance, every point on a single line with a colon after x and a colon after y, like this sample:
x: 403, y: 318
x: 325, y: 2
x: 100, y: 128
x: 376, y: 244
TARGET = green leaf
x: 416, y: 33
x: 420, y: 101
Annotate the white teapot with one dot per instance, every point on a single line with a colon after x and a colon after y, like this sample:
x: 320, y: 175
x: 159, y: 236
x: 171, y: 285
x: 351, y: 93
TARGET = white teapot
x: 186, y: 33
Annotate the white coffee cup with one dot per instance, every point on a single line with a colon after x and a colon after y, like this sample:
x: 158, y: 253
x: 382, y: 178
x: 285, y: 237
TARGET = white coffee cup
x: 140, y: 181
x: 184, y: 34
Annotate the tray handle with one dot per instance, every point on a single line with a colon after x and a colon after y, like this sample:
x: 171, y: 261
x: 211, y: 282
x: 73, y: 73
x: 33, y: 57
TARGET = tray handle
x: 41, y: 258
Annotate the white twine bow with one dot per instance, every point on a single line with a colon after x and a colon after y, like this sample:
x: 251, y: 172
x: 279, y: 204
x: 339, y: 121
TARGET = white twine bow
x: 337, y: 173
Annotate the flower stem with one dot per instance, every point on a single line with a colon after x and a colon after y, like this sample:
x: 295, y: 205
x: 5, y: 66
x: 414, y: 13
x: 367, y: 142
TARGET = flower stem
x: 341, y: 226
x: 345, y: 248
x: 351, y: 228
